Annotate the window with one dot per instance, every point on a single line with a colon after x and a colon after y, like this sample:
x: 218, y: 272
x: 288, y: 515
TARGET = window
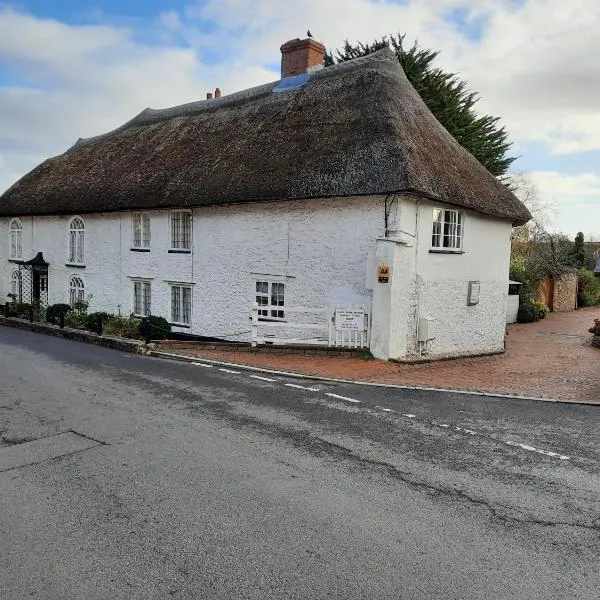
x: 141, y: 298
x: 15, y: 239
x: 15, y: 284
x: 181, y: 230
x: 181, y: 304
x: 76, y: 240
x: 447, y: 229
x: 270, y: 299
x: 141, y: 230
x: 76, y: 290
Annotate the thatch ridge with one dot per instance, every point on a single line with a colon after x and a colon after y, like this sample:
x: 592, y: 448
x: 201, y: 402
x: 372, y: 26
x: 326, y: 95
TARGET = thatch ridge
x: 357, y: 128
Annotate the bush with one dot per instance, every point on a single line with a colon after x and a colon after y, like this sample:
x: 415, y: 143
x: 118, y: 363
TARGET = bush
x: 160, y: 327
x: 589, y: 288
x: 127, y: 327
x: 91, y: 321
x: 595, y: 329
x: 19, y: 309
x: 527, y: 312
x: 54, y: 311
x: 541, y: 310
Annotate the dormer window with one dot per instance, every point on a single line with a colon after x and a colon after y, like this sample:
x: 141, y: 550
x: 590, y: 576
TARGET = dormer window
x: 447, y: 232
x: 15, y: 239
x: 76, y: 241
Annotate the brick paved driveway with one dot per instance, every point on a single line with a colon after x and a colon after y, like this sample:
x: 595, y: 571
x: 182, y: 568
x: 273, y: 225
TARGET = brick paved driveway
x: 551, y: 359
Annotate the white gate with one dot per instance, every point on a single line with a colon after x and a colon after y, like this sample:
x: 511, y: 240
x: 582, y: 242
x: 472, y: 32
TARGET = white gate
x: 336, y: 327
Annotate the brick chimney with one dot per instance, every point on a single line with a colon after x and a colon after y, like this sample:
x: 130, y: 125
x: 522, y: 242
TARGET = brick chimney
x: 301, y: 56
x: 209, y: 95
x: 218, y: 93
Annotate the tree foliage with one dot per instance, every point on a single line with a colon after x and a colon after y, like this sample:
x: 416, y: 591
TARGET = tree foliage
x: 448, y: 98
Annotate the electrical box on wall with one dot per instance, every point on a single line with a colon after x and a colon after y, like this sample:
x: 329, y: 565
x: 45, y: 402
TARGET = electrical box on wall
x: 473, y: 295
x: 426, y: 329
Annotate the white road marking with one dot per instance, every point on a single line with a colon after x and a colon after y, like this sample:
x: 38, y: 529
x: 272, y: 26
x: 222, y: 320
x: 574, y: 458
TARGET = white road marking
x: 342, y: 397
x: 537, y: 450
x: 387, y: 410
x: 410, y: 416
x: 302, y: 387
x: 228, y: 371
x: 444, y: 425
x: 203, y: 365
x: 262, y: 378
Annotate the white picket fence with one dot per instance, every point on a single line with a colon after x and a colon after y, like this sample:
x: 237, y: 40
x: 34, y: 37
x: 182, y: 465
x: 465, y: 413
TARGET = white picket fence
x: 320, y: 321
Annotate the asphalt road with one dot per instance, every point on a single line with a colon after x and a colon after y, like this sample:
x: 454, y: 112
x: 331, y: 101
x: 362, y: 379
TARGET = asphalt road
x: 125, y: 477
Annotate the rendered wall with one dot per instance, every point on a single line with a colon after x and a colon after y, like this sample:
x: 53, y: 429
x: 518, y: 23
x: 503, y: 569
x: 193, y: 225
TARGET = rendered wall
x: 318, y: 248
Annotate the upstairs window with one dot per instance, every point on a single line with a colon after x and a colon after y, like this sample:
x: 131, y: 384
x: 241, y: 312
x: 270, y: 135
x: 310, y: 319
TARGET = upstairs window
x: 447, y: 231
x: 76, y: 241
x: 181, y: 230
x: 15, y: 239
x: 141, y: 298
x: 141, y: 230
x: 270, y: 297
x: 76, y: 290
x: 181, y: 305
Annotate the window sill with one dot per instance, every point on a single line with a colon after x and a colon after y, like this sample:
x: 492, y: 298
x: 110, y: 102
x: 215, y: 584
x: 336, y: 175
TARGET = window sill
x: 445, y: 251
x: 179, y: 325
x: 139, y: 249
x: 76, y: 265
x: 272, y: 320
x: 15, y: 260
x: 179, y: 251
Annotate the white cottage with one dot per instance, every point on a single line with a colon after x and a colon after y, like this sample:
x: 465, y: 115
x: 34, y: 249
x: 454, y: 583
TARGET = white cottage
x: 294, y: 193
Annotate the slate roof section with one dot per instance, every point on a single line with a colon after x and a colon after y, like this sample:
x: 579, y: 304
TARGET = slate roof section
x: 357, y: 128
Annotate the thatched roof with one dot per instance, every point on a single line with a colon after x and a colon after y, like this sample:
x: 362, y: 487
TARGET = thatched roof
x: 357, y: 128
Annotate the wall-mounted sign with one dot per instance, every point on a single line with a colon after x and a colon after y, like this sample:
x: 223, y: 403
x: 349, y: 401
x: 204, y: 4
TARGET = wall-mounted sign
x: 349, y: 319
x: 473, y: 296
x: 383, y: 274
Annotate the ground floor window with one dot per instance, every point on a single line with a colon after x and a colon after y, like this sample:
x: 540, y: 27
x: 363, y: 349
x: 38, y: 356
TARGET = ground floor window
x: 15, y: 284
x: 76, y: 290
x: 141, y: 298
x: 181, y: 304
x: 270, y: 297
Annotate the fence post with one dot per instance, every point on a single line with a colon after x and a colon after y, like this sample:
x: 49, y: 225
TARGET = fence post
x: 99, y: 325
x: 61, y: 320
x: 255, y: 325
x: 31, y: 314
x: 6, y: 310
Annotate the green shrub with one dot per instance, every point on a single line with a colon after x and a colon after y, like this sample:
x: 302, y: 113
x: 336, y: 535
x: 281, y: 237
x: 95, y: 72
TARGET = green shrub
x: 19, y: 309
x: 527, y: 312
x: 541, y: 310
x: 589, y: 288
x: 54, y: 311
x: 127, y: 327
x: 91, y: 321
x: 75, y: 320
x: 160, y: 327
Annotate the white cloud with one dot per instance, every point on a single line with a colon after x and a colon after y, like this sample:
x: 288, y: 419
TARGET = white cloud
x: 575, y: 198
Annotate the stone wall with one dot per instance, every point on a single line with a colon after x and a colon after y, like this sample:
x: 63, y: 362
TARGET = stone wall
x: 565, y: 293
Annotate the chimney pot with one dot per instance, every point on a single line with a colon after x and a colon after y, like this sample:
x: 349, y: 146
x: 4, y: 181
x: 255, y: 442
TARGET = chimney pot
x: 218, y: 93
x: 209, y: 96
x: 301, y: 56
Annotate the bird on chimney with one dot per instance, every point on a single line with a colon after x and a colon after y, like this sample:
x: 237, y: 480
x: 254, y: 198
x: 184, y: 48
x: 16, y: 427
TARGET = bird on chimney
x: 309, y: 34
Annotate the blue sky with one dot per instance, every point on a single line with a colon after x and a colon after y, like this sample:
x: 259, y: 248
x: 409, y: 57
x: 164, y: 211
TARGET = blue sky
x: 72, y: 69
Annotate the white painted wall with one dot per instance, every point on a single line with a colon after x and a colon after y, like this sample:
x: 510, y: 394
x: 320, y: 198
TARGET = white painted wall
x: 435, y: 285
x: 318, y: 248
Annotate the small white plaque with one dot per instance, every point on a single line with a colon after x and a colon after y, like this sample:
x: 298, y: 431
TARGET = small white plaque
x: 349, y: 320
x: 473, y: 296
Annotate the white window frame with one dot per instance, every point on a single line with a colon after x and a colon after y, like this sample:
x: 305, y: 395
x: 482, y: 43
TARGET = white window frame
x: 15, y: 284
x: 76, y: 241
x: 142, y: 297
x: 181, y: 226
x: 447, y: 231
x: 76, y: 290
x: 181, y: 296
x: 15, y: 239
x: 141, y: 231
x: 270, y: 296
